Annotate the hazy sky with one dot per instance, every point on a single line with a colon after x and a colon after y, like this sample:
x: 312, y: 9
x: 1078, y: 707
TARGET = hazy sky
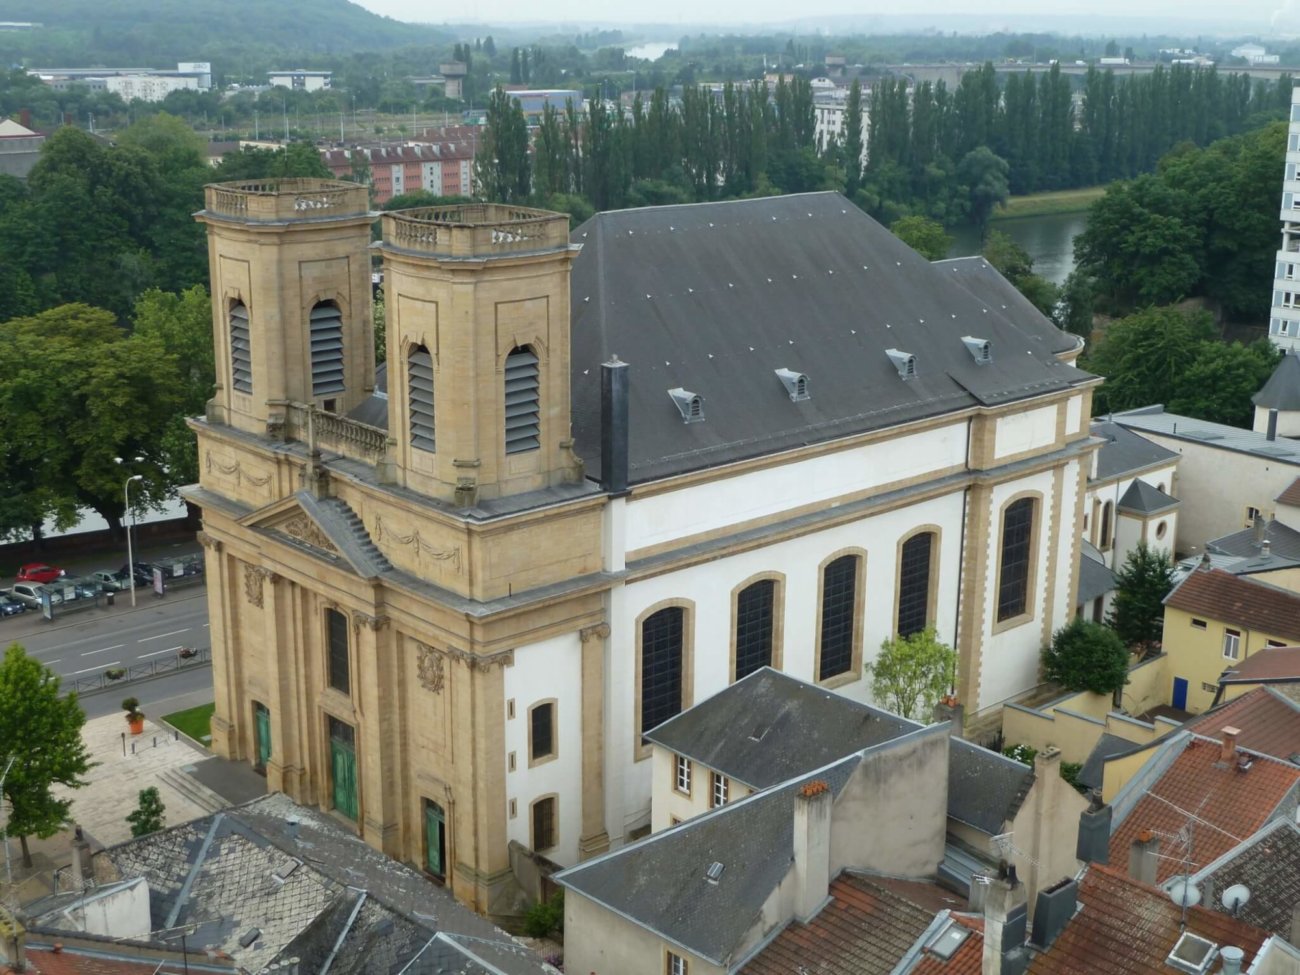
x: 1244, y: 16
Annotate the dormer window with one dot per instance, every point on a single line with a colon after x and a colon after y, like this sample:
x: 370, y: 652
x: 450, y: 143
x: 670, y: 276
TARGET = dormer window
x: 796, y: 384
x: 904, y: 362
x: 980, y: 349
x: 690, y: 405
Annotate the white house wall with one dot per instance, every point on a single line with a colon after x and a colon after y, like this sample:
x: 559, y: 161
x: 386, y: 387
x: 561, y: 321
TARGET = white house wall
x: 1030, y: 430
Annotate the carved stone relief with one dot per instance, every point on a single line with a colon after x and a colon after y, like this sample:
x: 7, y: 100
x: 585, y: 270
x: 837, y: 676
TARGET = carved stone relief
x: 430, y: 668
x: 302, y: 529
x: 420, y: 546
x: 254, y: 576
x: 235, y: 470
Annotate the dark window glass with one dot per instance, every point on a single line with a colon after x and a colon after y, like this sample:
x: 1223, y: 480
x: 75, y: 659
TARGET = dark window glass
x: 754, y: 627
x: 337, y: 625
x: 839, y: 607
x: 914, y: 584
x: 543, y: 731
x: 544, y: 823
x: 1105, y: 525
x: 661, y: 666
x: 1017, y: 534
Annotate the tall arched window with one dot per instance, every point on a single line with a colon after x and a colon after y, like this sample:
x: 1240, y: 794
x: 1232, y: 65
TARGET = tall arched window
x: 326, y: 349
x: 523, y: 431
x: 241, y: 349
x: 914, y: 571
x: 1016, y: 559
x: 1107, y: 511
x: 420, y: 389
x: 838, y: 638
x: 755, y: 626
x: 663, y: 637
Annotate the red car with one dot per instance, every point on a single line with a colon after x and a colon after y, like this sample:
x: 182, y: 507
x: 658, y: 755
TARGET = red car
x: 38, y: 572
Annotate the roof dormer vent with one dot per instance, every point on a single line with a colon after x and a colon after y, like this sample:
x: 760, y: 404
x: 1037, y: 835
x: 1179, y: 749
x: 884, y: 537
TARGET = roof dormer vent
x: 796, y: 383
x: 980, y: 349
x: 690, y: 405
x: 904, y: 362
x: 714, y: 872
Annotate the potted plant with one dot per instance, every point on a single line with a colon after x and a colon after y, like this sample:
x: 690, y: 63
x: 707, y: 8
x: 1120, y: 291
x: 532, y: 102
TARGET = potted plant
x: 134, y: 716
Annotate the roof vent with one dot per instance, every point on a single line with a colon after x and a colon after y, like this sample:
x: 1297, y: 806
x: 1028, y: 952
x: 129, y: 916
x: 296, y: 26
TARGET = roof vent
x: 981, y: 349
x: 904, y: 362
x: 249, y: 936
x: 947, y: 940
x: 690, y: 404
x: 714, y: 873
x: 796, y: 383
x: 1192, y: 954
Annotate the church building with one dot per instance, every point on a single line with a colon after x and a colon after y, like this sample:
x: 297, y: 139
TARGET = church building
x: 602, y: 475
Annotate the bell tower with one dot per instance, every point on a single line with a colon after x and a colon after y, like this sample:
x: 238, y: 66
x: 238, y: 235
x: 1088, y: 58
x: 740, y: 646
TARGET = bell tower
x: 477, y: 299
x: 289, y: 264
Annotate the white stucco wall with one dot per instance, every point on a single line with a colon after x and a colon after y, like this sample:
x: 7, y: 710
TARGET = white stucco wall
x: 1029, y: 430
x: 1125, y: 538
x: 667, y: 803
x: 551, y: 669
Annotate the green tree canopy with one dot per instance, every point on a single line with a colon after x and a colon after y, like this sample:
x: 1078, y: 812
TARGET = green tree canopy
x: 1137, y: 613
x: 297, y: 159
x: 984, y: 174
x: 148, y: 815
x: 41, y: 732
x: 1086, y: 656
x: 925, y: 236
x: 912, y: 673
x: 1219, y: 383
x: 1145, y: 357
x: 1017, y: 266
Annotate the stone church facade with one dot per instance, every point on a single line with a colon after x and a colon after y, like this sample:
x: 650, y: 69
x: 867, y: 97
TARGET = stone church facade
x: 599, y: 477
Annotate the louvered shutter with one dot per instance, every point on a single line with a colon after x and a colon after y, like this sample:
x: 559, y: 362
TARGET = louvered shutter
x: 522, y: 386
x: 421, y: 397
x: 326, y: 349
x: 241, y: 354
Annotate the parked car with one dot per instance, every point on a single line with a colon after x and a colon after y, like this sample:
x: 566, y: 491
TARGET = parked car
x: 38, y: 572
x: 110, y: 581
x: 143, y: 575
x: 10, y: 606
x: 29, y: 594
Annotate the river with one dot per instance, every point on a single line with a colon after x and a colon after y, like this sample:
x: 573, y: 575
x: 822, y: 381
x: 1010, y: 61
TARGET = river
x: 1048, y: 239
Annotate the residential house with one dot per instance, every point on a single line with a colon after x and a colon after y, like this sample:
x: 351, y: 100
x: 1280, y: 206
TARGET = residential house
x: 1258, y: 880
x: 602, y: 476
x: 1277, y: 404
x: 20, y: 147
x: 1277, y: 668
x: 438, y: 161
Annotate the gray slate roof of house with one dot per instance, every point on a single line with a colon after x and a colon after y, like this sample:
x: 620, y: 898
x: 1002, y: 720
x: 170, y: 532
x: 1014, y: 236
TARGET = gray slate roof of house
x: 217, y: 874
x: 987, y: 284
x: 1094, y: 765
x: 1095, y: 579
x: 1282, y: 391
x: 1283, y: 542
x: 1154, y: 419
x: 660, y: 883
x: 715, y: 297
x: 770, y: 727
x: 1123, y: 451
x: 1268, y: 864
x: 1146, y: 499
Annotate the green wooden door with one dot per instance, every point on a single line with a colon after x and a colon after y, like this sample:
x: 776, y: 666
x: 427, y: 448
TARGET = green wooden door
x: 435, y: 839
x: 343, y: 767
x: 263, y: 733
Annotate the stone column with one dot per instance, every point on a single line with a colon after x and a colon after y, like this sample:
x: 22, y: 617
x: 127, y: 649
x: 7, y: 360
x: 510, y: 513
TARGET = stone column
x: 217, y: 570
x: 594, y: 839
x: 283, y: 768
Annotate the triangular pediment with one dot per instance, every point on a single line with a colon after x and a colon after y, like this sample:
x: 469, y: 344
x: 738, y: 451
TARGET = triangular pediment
x: 328, y: 528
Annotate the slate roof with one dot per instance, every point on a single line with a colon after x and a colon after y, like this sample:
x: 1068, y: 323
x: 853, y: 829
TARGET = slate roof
x: 1291, y: 495
x: 1125, y: 452
x: 218, y: 876
x: 865, y: 929
x: 1283, y: 542
x: 714, y: 297
x: 988, y: 285
x: 1269, y: 722
x: 1239, y: 601
x: 1228, y: 804
x: 770, y: 727
x: 1154, y: 419
x: 1282, y: 391
x: 1146, y: 499
x: 1268, y: 864
x: 1094, y: 766
x: 660, y: 881
x: 1128, y: 928
x: 1095, y: 579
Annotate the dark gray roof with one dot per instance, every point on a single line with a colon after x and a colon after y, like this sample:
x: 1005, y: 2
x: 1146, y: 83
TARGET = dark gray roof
x: 373, y: 410
x: 715, y: 297
x: 985, y: 788
x: 1268, y: 864
x: 1146, y: 499
x: 1282, y: 391
x: 1094, y: 765
x: 1124, y: 451
x: 986, y: 283
x: 1283, y: 542
x: 770, y: 727
x: 1219, y: 436
x: 1095, y: 579
x: 660, y: 882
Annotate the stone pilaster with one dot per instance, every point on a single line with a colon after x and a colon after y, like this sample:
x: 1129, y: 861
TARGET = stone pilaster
x: 594, y: 839
x: 974, y: 595
x: 381, y: 819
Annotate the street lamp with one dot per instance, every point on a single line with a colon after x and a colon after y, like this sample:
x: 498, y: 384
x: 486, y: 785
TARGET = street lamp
x: 126, y: 501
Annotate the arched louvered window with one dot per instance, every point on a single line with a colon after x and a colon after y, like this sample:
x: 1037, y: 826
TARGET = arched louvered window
x: 523, y: 432
x: 420, y: 383
x: 241, y: 350
x: 326, y: 349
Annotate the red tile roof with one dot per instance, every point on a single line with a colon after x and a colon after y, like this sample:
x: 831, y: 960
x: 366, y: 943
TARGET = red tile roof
x: 1240, y: 601
x: 74, y: 962
x: 1268, y: 722
x: 966, y: 960
x: 1128, y: 928
x: 1291, y: 495
x: 1270, y: 664
x: 866, y: 929
x: 1228, y: 805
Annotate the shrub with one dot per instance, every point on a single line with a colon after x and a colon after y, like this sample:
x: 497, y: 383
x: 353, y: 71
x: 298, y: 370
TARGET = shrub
x: 545, y: 917
x: 1086, y: 656
x: 1024, y: 754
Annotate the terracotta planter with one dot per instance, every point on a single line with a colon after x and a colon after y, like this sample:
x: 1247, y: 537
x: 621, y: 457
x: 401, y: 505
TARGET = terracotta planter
x: 136, y: 725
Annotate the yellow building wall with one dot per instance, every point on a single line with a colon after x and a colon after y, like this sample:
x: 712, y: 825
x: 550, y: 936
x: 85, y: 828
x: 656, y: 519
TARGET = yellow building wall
x: 1195, y: 654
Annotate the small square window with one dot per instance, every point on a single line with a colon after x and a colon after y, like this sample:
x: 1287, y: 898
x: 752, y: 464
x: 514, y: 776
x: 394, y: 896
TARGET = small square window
x: 1232, y: 644
x: 677, y: 965
x: 719, y: 790
x: 682, y: 779
x: 1198, y: 624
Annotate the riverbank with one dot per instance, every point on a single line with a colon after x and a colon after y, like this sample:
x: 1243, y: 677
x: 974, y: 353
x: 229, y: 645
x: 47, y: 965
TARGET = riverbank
x: 1045, y: 204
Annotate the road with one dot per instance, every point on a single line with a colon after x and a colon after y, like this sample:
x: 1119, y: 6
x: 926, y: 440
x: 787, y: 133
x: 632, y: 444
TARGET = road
x: 87, y: 643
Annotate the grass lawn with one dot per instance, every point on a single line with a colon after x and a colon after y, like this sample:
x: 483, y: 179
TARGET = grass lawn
x: 193, y: 722
x: 1058, y: 201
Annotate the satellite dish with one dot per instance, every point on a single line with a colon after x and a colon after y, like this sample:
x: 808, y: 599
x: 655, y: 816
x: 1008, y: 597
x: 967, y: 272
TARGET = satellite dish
x: 1183, y: 892
x: 1236, y: 897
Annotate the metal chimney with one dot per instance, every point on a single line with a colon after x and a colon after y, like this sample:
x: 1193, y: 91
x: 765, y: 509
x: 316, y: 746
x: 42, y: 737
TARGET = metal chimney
x: 613, y: 426
x: 1272, y: 425
x: 1232, y: 957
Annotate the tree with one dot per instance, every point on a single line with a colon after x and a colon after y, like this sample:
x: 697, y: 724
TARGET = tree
x: 984, y: 174
x: 1015, y: 264
x: 1075, y: 304
x: 148, y: 814
x: 297, y: 159
x: 1086, y: 656
x: 1145, y: 357
x: 925, y: 236
x: 501, y: 163
x: 1137, y: 613
x: 912, y: 673
x: 853, y: 143
x: 40, y: 730
x: 1220, y: 382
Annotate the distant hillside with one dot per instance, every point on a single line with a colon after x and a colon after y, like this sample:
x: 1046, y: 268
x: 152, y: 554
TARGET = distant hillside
x: 237, y: 35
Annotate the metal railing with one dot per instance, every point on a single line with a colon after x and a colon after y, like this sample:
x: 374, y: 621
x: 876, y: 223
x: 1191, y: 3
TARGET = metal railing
x: 93, y: 683
x: 286, y: 199
x: 476, y: 230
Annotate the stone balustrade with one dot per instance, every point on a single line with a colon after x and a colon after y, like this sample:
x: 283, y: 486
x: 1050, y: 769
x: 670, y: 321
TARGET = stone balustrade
x: 278, y: 200
x: 350, y: 438
x: 475, y: 230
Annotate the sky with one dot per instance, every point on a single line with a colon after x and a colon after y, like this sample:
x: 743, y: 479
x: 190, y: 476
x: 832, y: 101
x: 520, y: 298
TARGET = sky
x: 1172, y: 16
